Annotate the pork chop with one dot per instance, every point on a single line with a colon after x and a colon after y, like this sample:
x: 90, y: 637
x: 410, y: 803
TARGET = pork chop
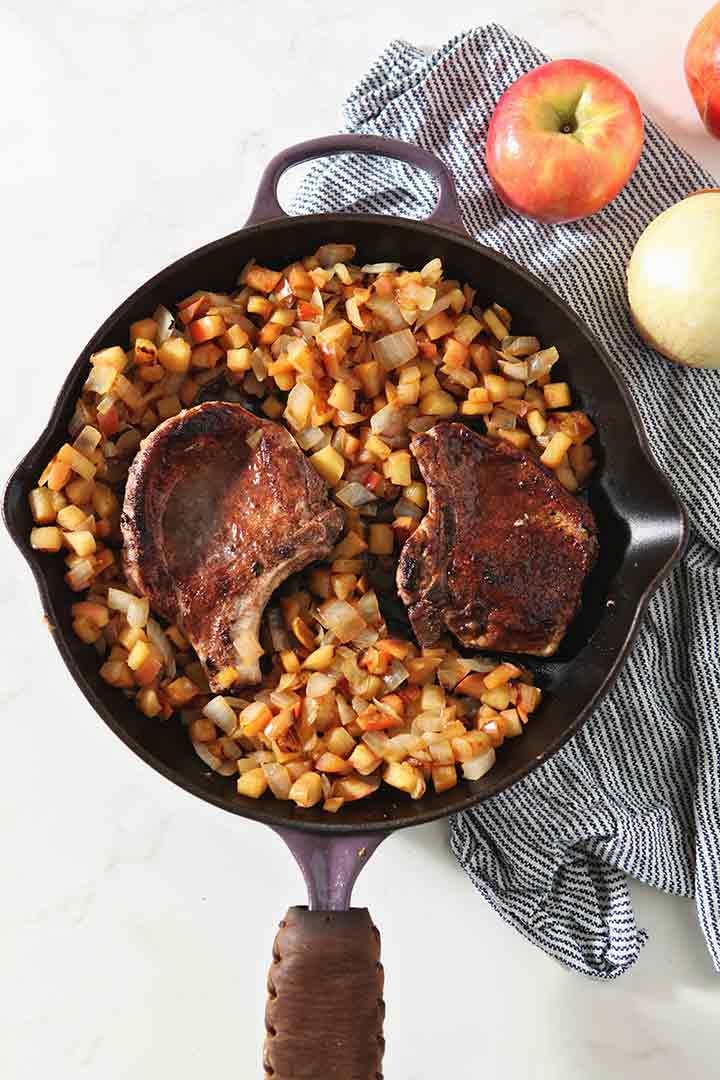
x: 501, y: 556
x: 213, y: 524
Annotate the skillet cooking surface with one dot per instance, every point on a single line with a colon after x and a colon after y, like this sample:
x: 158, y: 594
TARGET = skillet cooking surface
x: 640, y: 522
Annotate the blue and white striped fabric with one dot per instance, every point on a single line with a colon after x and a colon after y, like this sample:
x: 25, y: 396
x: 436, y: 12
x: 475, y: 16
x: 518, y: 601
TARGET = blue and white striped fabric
x: 637, y: 791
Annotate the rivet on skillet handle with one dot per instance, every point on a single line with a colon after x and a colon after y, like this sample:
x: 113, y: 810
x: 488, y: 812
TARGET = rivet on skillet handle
x: 325, y: 1009
x: 266, y: 206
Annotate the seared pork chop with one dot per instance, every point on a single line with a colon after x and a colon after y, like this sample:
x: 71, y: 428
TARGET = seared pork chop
x: 502, y: 554
x: 212, y: 525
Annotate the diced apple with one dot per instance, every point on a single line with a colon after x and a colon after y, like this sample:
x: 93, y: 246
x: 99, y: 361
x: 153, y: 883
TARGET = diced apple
x: 557, y: 395
x: 174, y: 355
x: 329, y: 463
x: 438, y: 403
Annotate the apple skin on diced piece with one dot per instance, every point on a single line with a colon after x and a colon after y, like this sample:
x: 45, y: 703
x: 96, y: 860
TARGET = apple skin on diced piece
x: 563, y: 141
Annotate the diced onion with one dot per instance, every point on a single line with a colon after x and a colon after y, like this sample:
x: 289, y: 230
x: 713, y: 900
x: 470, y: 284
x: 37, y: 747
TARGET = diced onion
x: 311, y: 438
x: 417, y: 296
x: 396, y: 349
x: 460, y: 375
x: 80, y: 575
x: 231, y: 749
x: 455, y: 668
x: 308, y: 329
x: 341, y: 271
x: 211, y: 760
x: 400, y: 746
x: 514, y: 369
x: 380, y: 268
x: 476, y: 767
x: 388, y: 310
x: 280, y: 344
x: 261, y: 756
x: 427, y: 721
x: 369, y: 608
x: 390, y: 420
x: 352, y: 310
x: 354, y: 494
x: 345, y: 710
x: 347, y: 662
x: 119, y: 600
x: 432, y: 271
x: 369, y: 687
x: 395, y: 677
x: 441, y: 304
x: 330, y: 254
x: 405, y: 508
x: 366, y: 638
x: 502, y: 418
x: 327, y: 788
x: 342, y: 618
x: 278, y: 779
x: 157, y: 637
x: 165, y: 321
x: 519, y: 346
x: 319, y: 684
x: 284, y: 699
x: 259, y: 364
x: 101, y: 378
x: 376, y: 741
x: 316, y: 301
x: 387, y: 710
x: 87, y: 440
x: 221, y: 714
x: 138, y: 612
x: 299, y: 404
x: 541, y: 363
x: 349, y: 419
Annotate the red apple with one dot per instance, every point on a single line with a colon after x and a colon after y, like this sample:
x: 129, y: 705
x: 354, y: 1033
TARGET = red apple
x: 563, y: 140
x: 702, y: 69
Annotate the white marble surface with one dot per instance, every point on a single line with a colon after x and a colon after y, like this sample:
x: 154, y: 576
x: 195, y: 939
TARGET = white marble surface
x: 136, y: 922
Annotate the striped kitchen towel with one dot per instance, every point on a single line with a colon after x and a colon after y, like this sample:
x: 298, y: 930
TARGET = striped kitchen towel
x: 637, y: 791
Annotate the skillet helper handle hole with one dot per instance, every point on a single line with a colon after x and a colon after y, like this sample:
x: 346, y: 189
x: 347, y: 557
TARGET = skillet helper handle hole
x: 267, y: 208
x: 325, y: 1008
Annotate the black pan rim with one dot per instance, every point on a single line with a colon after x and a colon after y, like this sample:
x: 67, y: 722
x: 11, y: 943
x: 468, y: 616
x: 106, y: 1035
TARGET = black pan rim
x: 249, y: 808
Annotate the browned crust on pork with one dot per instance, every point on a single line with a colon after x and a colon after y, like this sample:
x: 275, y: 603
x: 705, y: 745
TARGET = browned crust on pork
x: 502, y: 554
x: 212, y: 526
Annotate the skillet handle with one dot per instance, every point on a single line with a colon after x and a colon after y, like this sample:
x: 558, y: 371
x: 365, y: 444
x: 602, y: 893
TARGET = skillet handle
x: 325, y: 1008
x: 266, y: 205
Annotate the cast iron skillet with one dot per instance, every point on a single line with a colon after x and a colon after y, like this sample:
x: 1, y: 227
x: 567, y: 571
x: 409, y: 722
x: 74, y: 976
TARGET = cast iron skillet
x: 324, y: 1014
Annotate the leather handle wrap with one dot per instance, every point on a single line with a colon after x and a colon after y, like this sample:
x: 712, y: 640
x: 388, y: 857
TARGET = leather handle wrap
x: 325, y: 1009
